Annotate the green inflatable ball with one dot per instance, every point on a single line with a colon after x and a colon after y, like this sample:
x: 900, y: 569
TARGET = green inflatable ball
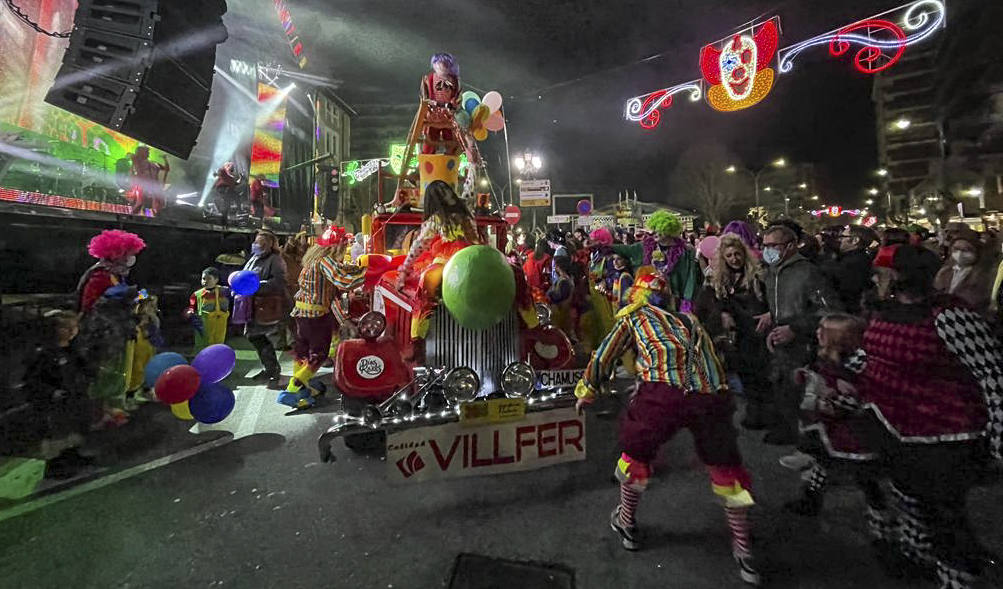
x: 478, y: 287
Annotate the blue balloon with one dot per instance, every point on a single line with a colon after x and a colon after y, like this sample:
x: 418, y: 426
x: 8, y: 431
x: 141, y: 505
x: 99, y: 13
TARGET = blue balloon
x: 212, y: 403
x: 244, y: 282
x: 470, y: 105
x: 158, y: 364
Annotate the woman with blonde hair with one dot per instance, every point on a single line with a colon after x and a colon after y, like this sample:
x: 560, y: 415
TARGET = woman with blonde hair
x: 316, y: 312
x: 727, y: 306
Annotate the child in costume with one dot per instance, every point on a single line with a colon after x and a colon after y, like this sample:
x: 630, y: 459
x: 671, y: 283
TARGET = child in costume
x: 148, y: 342
x: 682, y: 385
x: 57, y: 375
x: 598, y: 319
x: 830, y: 426
x: 108, y: 325
x: 317, y: 314
x: 672, y: 258
x: 208, y: 311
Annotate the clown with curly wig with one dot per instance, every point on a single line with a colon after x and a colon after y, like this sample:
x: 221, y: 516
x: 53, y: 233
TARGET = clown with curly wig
x: 672, y: 258
x: 108, y: 328
x: 681, y: 385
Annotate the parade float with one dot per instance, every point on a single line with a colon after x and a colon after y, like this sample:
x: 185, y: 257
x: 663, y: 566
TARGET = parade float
x: 456, y: 372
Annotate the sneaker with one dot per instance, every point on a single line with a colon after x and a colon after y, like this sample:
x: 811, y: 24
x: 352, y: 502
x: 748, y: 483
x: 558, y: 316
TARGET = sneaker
x: 628, y: 536
x: 259, y: 375
x: 275, y: 383
x: 746, y: 570
x: 300, y: 400
x: 797, y: 461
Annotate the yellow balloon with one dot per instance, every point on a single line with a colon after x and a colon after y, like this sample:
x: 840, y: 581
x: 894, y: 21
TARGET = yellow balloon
x: 180, y: 410
x: 481, y: 134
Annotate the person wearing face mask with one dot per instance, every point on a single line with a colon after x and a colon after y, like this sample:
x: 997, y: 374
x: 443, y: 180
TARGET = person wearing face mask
x: 962, y: 274
x: 797, y: 294
x: 266, y: 261
x: 727, y: 307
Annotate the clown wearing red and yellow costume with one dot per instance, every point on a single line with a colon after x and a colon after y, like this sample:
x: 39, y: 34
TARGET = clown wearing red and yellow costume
x: 317, y: 312
x: 681, y: 385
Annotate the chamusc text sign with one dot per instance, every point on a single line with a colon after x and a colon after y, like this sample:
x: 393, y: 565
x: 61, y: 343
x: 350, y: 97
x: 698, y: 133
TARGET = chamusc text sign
x: 454, y: 450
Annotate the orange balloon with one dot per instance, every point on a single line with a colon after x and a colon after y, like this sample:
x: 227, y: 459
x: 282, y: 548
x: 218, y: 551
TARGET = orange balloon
x: 431, y: 279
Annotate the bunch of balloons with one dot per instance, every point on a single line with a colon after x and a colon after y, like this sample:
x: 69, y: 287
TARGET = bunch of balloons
x: 478, y: 116
x: 194, y: 391
x: 244, y: 282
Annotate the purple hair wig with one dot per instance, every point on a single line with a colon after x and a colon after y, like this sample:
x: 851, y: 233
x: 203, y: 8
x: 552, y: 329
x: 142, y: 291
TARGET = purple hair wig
x: 744, y: 231
x: 447, y: 60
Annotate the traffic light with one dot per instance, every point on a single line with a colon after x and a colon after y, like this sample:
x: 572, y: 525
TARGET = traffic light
x: 331, y: 198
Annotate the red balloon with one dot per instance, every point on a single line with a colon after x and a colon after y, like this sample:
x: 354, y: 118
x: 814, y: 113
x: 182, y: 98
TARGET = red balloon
x: 177, y: 384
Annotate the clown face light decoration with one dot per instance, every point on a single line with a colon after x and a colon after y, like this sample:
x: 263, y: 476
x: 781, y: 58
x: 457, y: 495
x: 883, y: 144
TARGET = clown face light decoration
x: 737, y: 70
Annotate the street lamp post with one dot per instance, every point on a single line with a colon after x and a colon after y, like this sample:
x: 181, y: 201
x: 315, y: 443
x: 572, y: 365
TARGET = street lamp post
x: 527, y: 165
x: 777, y: 163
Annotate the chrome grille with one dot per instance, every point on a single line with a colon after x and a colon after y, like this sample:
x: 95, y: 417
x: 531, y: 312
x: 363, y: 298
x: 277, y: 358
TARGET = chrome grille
x: 487, y: 352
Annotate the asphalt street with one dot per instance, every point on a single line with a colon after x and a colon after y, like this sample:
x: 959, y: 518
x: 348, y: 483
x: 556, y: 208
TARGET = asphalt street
x: 252, y: 507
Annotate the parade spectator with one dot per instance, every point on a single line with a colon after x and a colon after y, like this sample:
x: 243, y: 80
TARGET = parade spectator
x: 797, y: 294
x: 561, y: 296
x: 728, y: 307
x: 851, y: 272
x: 537, y: 269
x: 932, y: 385
x: 269, y: 304
x: 747, y: 234
x: 963, y: 273
x: 293, y: 251
x: 894, y: 236
x: 58, y: 374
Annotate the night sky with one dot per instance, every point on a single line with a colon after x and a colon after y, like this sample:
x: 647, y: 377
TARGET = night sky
x: 566, y: 68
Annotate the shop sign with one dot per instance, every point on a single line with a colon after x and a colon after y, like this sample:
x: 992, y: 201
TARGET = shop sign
x: 455, y: 450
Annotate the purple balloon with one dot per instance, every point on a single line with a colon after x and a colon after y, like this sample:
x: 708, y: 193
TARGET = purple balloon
x: 215, y: 363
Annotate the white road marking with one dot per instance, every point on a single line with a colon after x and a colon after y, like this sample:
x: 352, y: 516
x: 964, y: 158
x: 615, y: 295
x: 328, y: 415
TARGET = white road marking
x: 128, y: 473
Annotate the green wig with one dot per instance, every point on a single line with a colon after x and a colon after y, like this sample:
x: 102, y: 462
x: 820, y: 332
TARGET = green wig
x: 665, y: 223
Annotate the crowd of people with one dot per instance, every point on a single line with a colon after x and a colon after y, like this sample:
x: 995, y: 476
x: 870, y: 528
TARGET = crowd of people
x: 874, y: 353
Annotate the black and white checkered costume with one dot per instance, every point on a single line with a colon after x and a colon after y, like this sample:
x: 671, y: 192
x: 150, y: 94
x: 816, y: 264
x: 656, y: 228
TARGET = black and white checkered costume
x: 969, y: 337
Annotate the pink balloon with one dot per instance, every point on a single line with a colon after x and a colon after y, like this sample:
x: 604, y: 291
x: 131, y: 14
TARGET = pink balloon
x: 493, y: 100
x: 708, y: 246
x: 496, y: 122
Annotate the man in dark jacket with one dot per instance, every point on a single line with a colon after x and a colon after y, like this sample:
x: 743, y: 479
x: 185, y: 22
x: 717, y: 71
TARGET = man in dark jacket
x: 797, y: 294
x: 851, y: 273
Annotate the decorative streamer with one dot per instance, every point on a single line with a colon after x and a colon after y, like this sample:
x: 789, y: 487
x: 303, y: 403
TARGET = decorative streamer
x: 881, y: 41
x: 644, y: 109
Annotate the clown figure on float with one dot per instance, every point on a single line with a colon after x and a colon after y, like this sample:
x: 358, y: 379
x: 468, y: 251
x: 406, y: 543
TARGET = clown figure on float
x: 440, y: 88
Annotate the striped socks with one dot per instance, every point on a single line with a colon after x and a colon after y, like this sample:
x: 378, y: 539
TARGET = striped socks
x: 738, y: 523
x: 629, y: 496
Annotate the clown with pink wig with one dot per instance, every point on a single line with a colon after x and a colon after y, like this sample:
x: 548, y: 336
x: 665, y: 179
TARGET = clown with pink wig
x: 108, y: 328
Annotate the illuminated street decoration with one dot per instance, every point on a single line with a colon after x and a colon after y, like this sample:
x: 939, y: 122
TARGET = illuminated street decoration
x: 835, y: 211
x: 292, y: 37
x: 882, y: 38
x: 738, y: 70
x: 355, y: 171
x: 645, y: 109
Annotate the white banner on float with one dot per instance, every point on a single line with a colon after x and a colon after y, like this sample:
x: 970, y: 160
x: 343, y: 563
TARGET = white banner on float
x: 453, y: 450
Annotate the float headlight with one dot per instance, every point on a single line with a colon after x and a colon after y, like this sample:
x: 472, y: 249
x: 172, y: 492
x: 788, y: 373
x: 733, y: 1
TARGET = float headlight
x: 518, y: 379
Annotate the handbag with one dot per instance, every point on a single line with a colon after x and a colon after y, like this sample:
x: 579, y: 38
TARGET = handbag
x: 269, y: 309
